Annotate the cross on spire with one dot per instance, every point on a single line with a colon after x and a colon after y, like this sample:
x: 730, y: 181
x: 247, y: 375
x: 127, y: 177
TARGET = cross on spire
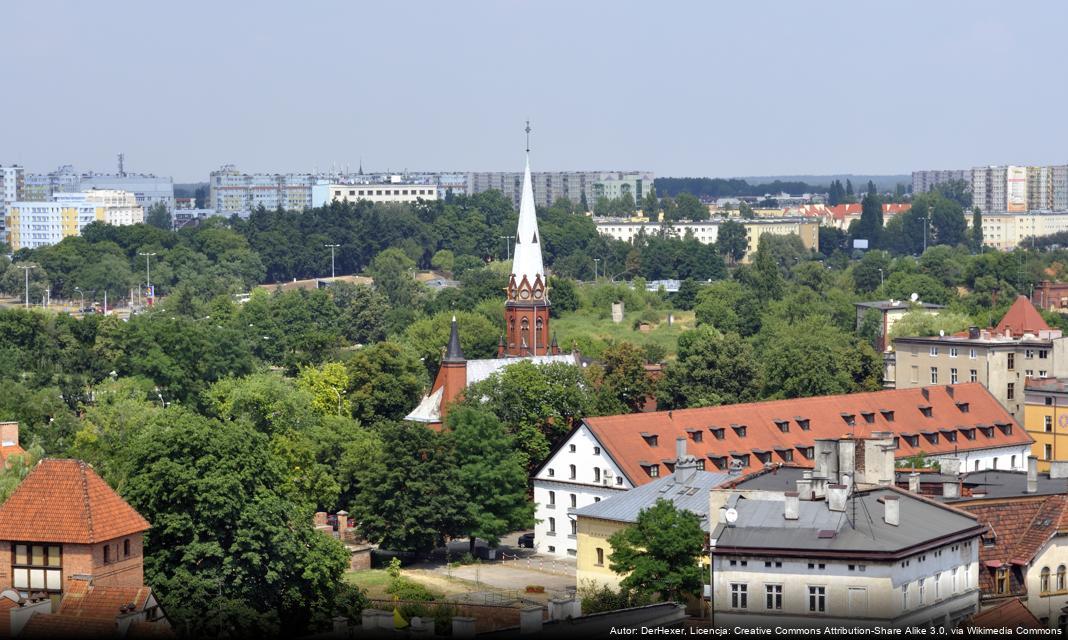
x: 528, y: 136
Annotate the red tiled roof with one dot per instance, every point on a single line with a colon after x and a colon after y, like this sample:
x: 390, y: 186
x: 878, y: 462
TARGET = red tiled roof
x: 66, y: 501
x: 1007, y: 615
x: 1020, y: 526
x: 1021, y: 318
x: 621, y: 435
x: 94, y: 601
x: 54, y: 625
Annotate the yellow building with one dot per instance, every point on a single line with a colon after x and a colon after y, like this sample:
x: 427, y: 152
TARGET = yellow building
x: 1046, y: 419
x: 38, y: 224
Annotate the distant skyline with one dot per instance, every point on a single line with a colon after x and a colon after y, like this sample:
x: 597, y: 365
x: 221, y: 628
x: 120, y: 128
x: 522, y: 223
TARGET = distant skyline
x: 682, y: 89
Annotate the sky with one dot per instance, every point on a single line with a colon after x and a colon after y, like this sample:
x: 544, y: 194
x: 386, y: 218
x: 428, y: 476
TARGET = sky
x: 680, y: 88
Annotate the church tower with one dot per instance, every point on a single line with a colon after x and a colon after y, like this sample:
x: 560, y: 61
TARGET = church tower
x: 526, y: 311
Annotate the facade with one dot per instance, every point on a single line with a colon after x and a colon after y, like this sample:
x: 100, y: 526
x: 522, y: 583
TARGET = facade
x: 1051, y: 296
x: 1046, y: 419
x: 924, y: 181
x: 12, y: 189
x: 549, y: 186
x: 707, y: 231
x: 1022, y: 346
x: 1005, y: 231
x: 38, y: 224
x: 609, y: 454
x: 890, y: 311
x: 40, y: 187
x: 1018, y: 189
x: 148, y: 189
x: 396, y: 193
x: 231, y: 191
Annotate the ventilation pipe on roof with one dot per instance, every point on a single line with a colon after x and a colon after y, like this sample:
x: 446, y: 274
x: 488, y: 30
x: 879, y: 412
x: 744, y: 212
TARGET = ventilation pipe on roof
x: 891, y: 510
x: 950, y: 489
x: 1032, y: 474
x: 836, y: 497
x: 914, y: 482
x: 792, y: 506
x: 680, y: 448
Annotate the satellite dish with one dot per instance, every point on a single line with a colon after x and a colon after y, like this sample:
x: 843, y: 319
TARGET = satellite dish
x: 941, y: 333
x: 914, y: 297
x: 731, y: 515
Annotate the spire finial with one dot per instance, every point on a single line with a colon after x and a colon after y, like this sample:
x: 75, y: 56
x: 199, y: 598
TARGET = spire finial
x: 528, y: 136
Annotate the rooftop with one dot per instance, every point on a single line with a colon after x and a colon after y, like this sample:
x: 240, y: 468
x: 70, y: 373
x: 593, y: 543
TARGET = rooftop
x: 1048, y: 385
x: 885, y: 305
x: 1021, y: 318
x: 686, y: 490
x: 65, y: 501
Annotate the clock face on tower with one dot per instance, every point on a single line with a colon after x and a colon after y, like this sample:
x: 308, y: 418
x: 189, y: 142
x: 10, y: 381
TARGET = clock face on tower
x: 524, y: 294
x: 537, y: 294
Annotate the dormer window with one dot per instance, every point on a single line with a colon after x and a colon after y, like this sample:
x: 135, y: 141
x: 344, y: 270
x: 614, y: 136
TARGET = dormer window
x: 888, y: 414
x: 651, y: 439
x: 849, y: 418
x: 987, y: 430
x: 1006, y: 428
x: 741, y: 457
x: 806, y: 452
x: 931, y: 436
x: 950, y: 434
x: 963, y: 406
x: 913, y: 440
x: 651, y: 468
x: 783, y: 425
x: 802, y: 423
x: 869, y: 416
x: 763, y: 456
x: 926, y: 410
x: 968, y: 432
x: 717, y: 432
x: 739, y: 430
x: 720, y: 462
x: 787, y: 455
x: 696, y: 435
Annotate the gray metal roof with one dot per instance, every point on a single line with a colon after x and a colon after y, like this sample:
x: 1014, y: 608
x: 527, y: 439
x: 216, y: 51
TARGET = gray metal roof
x: 761, y: 523
x: 690, y: 494
x: 780, y: 479
x: 1010, y: 484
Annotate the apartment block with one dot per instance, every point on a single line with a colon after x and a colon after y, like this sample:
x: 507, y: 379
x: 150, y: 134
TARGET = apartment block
x: 707, y: 231
x: 924, y: 181
x: 396, y: 193
x: 38, y: 224
x: 550, y: 186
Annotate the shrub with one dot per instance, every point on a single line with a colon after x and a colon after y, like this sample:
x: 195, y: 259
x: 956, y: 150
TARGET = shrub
x: 535, y: 588
x: 405, y: 589
x: 394, y: 567
x: 597, y: 598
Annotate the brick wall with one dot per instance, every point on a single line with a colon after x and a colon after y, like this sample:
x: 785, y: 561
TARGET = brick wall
x: 84, y: 559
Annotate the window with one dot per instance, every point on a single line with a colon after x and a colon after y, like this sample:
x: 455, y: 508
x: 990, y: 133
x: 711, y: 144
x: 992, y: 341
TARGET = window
x: 1010, y: 391
x: 619, y: 479
x: 596, y: 474
x: 923, y: 582
x: 697, y: 436
x: 574, y: 501
x: 915, y: 377
x: 952, y: 352
x: 938, y: 586
x: 953, y: 375
x: 701, y: 465
x: 552, y: 498
x: 600, y: 557
x: 1001, y: 581
x: 596, y: 499
x: 739, y: 595
x: 552, y: 526
x: 1044, y: 581
x: 1061, y: 586
x: 571, y: 448
x: 37, y: 567
x: 817, y: 599
x: 552, y: 472
x: 654, y: 471
x: 904, y: 597
x: 574, y: 527
x: 973, y: 376
x: 934, y: 375
x: 1012, y: 361
x: 1043, y: 354
x: 572, y: 469
x: 971, y: 353
x: 1029, y: 354
x: 934, y: 351
x: 773, y: 596
x: 1047, y: 423
x: 1042, y: 373
x: 1047, y: 452
x: 596, y: 451
x: 126, y: 548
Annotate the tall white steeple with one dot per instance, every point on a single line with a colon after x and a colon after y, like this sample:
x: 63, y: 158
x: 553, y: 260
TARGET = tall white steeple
x: 527, y: 261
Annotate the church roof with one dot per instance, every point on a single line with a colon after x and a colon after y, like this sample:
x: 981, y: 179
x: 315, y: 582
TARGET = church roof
x: 479, y: 370
x: 1021, y: 318
x: 527, y: 261
x: 454, y: 353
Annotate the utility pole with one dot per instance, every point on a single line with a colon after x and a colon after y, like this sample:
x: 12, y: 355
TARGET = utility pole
x: 332, y: 247
x: 596, y: 262
x: 26, y: 269
x: 81, y: 294
x: 926, y: 227
x: 507, y: 246
x: 148, y: 271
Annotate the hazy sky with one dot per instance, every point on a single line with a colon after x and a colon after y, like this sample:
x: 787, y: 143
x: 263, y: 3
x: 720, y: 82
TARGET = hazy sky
x: 685, y: 88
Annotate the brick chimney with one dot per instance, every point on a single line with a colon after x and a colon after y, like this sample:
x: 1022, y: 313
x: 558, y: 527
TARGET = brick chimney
x: 9, y: 433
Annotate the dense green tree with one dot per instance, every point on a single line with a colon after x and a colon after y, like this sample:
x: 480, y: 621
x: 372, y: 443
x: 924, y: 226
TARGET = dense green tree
x: 688, y: 207
x: 620, y: 379
x: 811, y: 358
x: 976, y: 240
x: 364, y: 311
x: 158, y: 216
x: 711, y: 369
x: 386, y: 381
x: 732, y: 241
x: 428, y: 336
x: 393, y: 272
x: 660, y: 553
x: 745, y: 211
x: 871, y: 219
x: 650, y: 205
x: 563, y: 294
x: 871, y: 271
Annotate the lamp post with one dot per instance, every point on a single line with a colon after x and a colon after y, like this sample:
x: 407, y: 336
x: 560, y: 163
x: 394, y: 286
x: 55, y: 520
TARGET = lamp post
x: 26, y: 269
x: 148, y: 270
x: 81, y: 294
x: 596, y: 263
x: 880, y: 277
x: 507, y: 246
x: 332, y: 247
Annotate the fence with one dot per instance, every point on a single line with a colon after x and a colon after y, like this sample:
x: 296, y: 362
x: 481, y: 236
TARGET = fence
x: 537, y: 564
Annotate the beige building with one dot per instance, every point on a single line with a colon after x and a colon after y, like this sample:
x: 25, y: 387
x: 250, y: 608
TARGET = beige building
x: 1005, y: 231
x: 708, y: 231
x: 397, y: 193
x: 890, y: 311
x: 38, y: 224
x: 1022, y: 346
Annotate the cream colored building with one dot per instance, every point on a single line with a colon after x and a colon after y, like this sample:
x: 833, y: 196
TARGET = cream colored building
x: 38, y: 224
x: 1005, y: 231
x: 708, y: 231
x: 397, y: 193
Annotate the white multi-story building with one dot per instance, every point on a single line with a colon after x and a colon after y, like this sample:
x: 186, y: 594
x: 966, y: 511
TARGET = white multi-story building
x: 395, y: 193
x: 231, y: 191
x: 12, y: 188
x: 38, y: 224
x: 1005, y: 231
x: 549, y: 186
x: 707, y: 231
x: 148, y: 189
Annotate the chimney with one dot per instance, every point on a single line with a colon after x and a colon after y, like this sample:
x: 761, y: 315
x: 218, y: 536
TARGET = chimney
x: 9, y: 433
x: 891, y: 510
x: 1058, y: 469
x: 951, y: 489
x: 342, y: 524
x: 685, y: 464
x: 949, y: 466
x: 973, y: 333
x: 914, y: 482
x: 530, y: 619
x: 1032, y: 474
x: 804, y: 487
x: 680, y: 449
x: 793, y: 506
x: 836, y: 497
x: 847, y: 456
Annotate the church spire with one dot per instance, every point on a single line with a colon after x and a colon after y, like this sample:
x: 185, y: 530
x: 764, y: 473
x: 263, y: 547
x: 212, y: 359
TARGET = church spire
x: 527, y: 262
x: 454, y: 353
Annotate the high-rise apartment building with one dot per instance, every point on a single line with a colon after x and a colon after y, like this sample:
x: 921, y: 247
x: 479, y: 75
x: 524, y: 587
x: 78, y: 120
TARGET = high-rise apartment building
x: 924, y: 181
x: 12, y: 188
x: 147, y: 188
x: 549, y: 186
x: 38, y: 224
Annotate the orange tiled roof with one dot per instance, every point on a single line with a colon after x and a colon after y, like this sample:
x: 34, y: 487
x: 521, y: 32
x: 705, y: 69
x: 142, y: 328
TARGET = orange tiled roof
x: 970, y: 415
x: 66, y: 501
x: 95, y: 601
x: 54, y: 625
x: 1009, y: 614
x: 1021, y: 318
x: 1020, y: 526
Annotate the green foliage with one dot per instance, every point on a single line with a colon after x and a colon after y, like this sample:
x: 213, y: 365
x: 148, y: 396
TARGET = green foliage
x: 711, y: 369
x: 405, y: 589
x: 385, y: 381
x: 600, y: 598
x: 16, y: 467
x: 621, y: 382
x: 660, y: 553
x: 394, y: 568
x: 811, y: 358
x: 158, y: 216
x: 731, y: 241
x: 921, y: 323
x: 427, y: 337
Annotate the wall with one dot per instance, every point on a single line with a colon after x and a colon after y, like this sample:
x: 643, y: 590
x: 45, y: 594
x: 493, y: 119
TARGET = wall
x: 593, y: 533
x: 1035, y: 413
x: 84, y: 559
x: 1052, y: 555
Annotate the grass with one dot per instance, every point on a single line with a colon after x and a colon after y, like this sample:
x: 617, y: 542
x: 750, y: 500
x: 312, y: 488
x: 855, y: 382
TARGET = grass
x: 592, y: 332
x: 373, y: 581
x: 376, y: 581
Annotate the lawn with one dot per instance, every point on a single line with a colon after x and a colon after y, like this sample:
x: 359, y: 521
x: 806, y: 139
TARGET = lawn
x: 375, y: 582
x: 591, y: 332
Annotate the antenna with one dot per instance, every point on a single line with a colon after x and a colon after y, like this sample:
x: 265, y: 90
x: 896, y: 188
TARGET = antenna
x: 122, y: 169
x: 528, y: 136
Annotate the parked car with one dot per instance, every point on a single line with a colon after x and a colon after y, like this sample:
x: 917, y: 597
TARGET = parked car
x: 527, y: 540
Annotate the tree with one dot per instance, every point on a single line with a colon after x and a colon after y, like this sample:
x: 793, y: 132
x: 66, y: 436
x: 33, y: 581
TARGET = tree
x: 871, y: 219
x: 870, y: 272
x: 364, y: 311
x: 620, y: 378
x: 393, y: 273
x: 650, y: 205
x: 427, y: 337
x: 491, y: 473
x: 686, y: 297
x: 410, y: 495
x: 811, y: 358
x: 732, y: 241
x: 767, y: 277
x: 977, y: 230
x: 660, y: 553
x: 443, y: 260
x: 745, y: 211
x: 385, y: 382
x: 711, y: 369
x: 688, y: 207
x: 563, y: 294
x: 328, y: 386
x: 158, y: 216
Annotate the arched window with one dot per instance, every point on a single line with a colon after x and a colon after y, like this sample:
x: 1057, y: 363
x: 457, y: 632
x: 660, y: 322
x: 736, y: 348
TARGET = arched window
x: 1013, y: 463
x: 538, y: 339
x: 1061, y: 578
x: 1044, y: 581
x: 524, y: 332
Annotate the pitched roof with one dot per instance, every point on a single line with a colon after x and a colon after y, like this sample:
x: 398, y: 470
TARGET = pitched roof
x: 1020, y: 527
x: 85, y: 600
x: 1011, y: 614
x: 53, y: 625
x: 897, y: 411
x: 1021, y: 318
x: 66, y: 501
x: 526, y: 262
x: 688, y: 493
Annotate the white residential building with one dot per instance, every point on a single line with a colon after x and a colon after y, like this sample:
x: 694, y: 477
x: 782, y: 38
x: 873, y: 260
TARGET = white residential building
x: 395, y: 193
x: 38, y: 224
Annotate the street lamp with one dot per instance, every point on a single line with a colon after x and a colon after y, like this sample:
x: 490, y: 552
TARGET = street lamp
x: 507, y: 246
x: 148, y: 269
x: 596, y: 263
x: 26, y: 268
x: 880, y: 277
x: 82, y: 295
x: 332, y: 247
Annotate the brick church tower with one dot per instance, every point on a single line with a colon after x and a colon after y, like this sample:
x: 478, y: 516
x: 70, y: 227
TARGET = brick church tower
x: 526, y: 311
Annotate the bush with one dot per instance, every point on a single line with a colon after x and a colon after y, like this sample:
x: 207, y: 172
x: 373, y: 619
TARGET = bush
x: 406, y: 589
x: 351, y: 601
x: 535, y: 588
x: 597, y: 598
x: 443, y: 613
x: 394, y: 567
